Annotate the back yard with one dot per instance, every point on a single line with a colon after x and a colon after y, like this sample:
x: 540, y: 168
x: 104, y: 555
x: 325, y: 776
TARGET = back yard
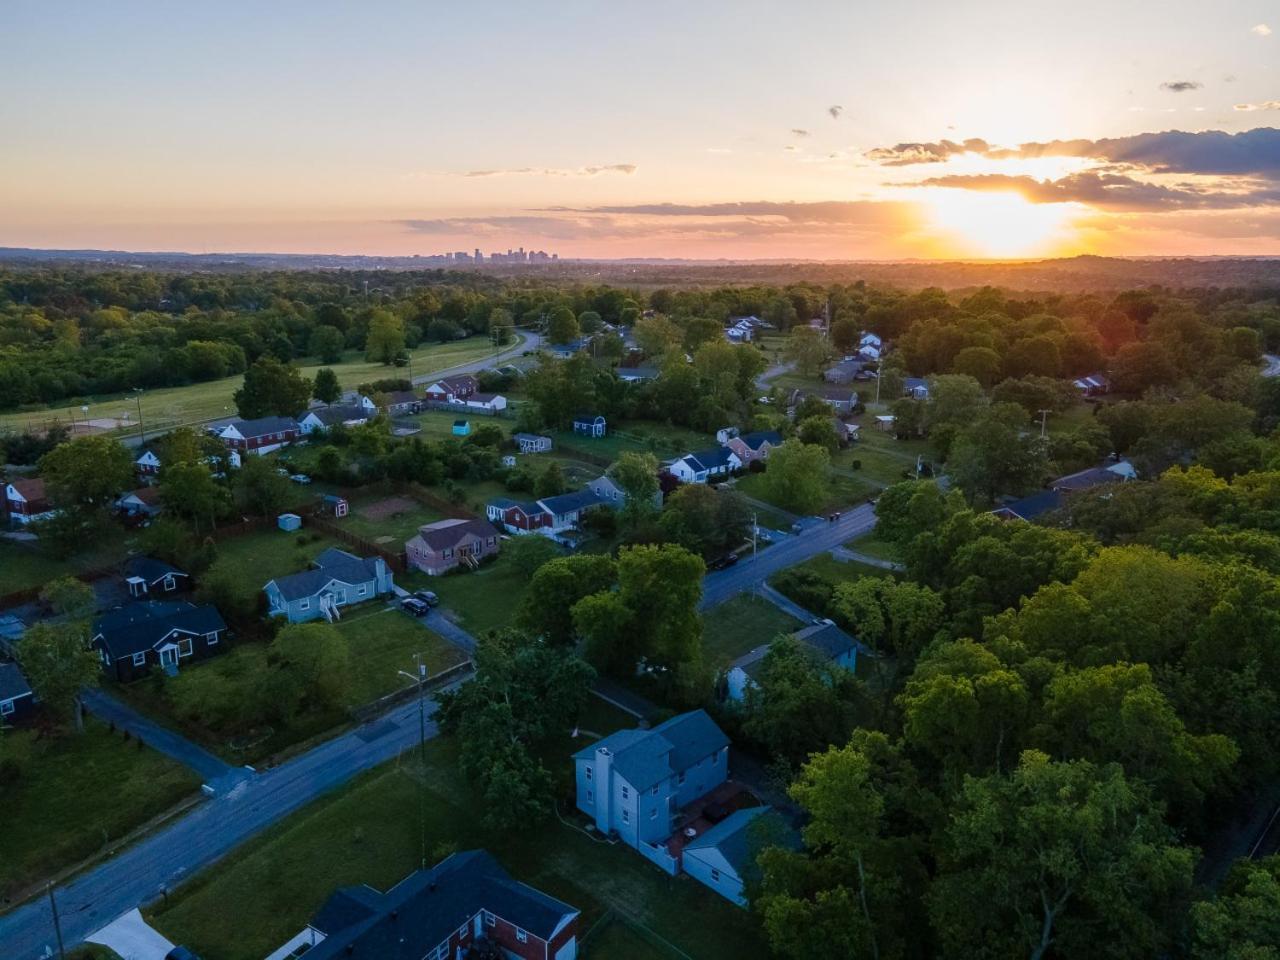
x: 23, y: 566
x: 215, y: 703
x: 480, y: 600
x: 75, y: 795
x: 370, y: 833
x: 736, y: 626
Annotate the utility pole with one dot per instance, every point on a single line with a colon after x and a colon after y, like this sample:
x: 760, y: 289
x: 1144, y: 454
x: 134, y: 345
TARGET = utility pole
x: 142, y: 433
x: 57, y: 925
x: 1044, y: 417
x: 421, y: 680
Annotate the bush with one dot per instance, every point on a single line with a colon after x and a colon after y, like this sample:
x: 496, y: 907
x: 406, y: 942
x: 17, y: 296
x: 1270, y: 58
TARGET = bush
x: 10, y: 773
x: 856, y: 465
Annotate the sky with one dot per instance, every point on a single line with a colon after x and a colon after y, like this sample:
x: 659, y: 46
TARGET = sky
x: 740, y: 130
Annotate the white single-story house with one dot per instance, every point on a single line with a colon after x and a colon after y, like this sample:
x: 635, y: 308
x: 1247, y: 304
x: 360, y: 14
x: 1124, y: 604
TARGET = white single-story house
x: 491, y: 402
x: 325, y: 418
x: 706, y: 465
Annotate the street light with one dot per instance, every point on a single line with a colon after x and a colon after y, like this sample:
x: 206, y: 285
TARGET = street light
x: 421, y: 681
x: 142, y: 434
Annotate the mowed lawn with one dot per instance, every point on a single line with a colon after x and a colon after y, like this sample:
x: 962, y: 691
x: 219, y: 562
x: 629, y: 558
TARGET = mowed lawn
x: 267, y: 554
x: 23, y: 565
x: 383, y: 640
x: 663, y: 440
x: 479, y: 600
x: 370, y: 833
x: 843, y: 491
x: 387, y: 520
x: 742, y: 624
x: 169, y: 406
x: 75, y: 794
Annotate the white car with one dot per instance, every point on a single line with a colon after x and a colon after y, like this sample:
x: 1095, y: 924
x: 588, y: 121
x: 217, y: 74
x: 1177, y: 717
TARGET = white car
x: 300, y: 478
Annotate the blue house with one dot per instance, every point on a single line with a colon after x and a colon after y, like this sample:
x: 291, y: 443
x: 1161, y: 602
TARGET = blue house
x: 824, y: 642
x: 724, y: 858
x: 17, y: 702
x: 634, y: 783
x: 337, y: 580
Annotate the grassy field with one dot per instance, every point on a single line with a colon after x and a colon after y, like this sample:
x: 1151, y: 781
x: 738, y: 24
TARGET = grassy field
x: 663, y: 440
x: 392, y: 530
x: 382, y: 641
x: 482, y: 600
x: 74, y: 794
x: 203, y: 401
x: 872, y: 547
x: 23, y: 566
x: 842, y: 491
x: 370, y: 833
x: 742, y: 624
x: 837, y: 571
x: 262, y: 556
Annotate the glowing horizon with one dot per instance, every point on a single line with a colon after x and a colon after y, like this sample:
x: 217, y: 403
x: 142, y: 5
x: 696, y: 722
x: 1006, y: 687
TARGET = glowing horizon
x: 918, y: 132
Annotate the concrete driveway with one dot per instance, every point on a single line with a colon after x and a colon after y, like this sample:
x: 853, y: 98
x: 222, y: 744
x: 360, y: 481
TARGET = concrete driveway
x: 131, y: 937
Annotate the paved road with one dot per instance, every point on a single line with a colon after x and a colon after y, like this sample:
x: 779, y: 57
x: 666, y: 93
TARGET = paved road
x: 843, y: 553
x: 1272, y: 368
x: 166, y: 858
x: 786, y: 604
x: 818, y: 536
x: 217, y: 775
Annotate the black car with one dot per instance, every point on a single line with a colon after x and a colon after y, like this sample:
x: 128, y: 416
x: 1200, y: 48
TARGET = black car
x: 720, y: 563
x: 427, y: 597
x: 414, y: 607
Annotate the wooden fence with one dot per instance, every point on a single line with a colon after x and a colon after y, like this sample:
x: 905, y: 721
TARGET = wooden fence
x: 396, y: 560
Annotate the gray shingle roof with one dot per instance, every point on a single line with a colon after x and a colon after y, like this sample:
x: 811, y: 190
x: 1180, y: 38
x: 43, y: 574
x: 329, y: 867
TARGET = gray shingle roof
x: 330, y: 416
x: 760, y: 437
x: 568, y: 502
x: 445, y: 533
x: 332, y: 564
x: 12, y: 683
x: 732, y: 838
x: 424, y: 909
x: 138, y: 627
x: 647, y: 757
x: 827, y: 639
x: 150, y: 569
x: 264, y: 425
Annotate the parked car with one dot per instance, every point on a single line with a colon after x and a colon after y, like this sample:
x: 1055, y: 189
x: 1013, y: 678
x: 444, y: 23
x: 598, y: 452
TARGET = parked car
x: 763, y: 535
x: 283, y: 471
x: 300, y: 478
x: 721, y: 563
x: 414, y: 607
x: 428, y: 597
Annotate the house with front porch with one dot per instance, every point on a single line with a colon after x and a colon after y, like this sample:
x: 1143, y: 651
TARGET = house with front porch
x: 337, y: 579
x: 159, y: 633
x: 263, y: 435
x: 147, y: 464
x: 439, y: 547
x: 149, y: 577
x: 466, y: 905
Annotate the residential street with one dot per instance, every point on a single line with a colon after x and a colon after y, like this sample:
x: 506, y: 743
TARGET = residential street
x: 139, y: 874
x: 818, y: 536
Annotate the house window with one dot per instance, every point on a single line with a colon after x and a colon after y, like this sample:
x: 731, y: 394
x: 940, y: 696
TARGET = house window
x: 139, y: 659
x: 715, y: 876
x: 211, y: 638
x: 590, y: 797
x: 490, y: 920
x: 360, y: 591
x: 588, y: 773
x: 653, y: 814
x: 304, y: 603
x: 6, y: 707
x: 184, y: 647
x: 625, y: 793
x: 680, y: 779
x: 462, y: 931
x: 626, y: 816
x: 655, y: 791
x: 521, y: 936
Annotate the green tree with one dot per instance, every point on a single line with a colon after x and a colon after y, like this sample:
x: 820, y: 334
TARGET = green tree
x: 87, y: 474
x: 259, y: 487
x: 997, y: 454
x: 701, y: 330
x: 704, y: 520
x: 326, y: 344
x: 908, y: 509
x: 550, y: 482
x: 1062, y: 859
x: 656, y: 336
x: 636, y: 474
x: 58, y: 663
x: 808, y: 349
x: 1243, y: 921
x: 562, y: 326
x: 70, y: 598
x: 981, y: 363
x: 386, y: 337
x: 272, y: 388
x: 819, y: 431
x: 318, y: 655
x: 797, y: 477
x: 189, y: 491
x: 546, y: 609
x: 529, y: 554
x: 326, y: 388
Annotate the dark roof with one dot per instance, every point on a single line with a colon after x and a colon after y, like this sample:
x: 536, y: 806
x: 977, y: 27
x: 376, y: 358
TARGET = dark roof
x: 263, y: 426
x: 482, y: 397
x: 140, y: 626
x: 453, y: 384
x: 150, y: 569
x: 12, y: 683
x: 31, y: 489
x: 1084, y: 479
x: 1028, y: 508
x: 567, y: 502
x: 341, y: 413
x: 332, y: 564
x: 425, y: 908
x: 837, y: 393
x: 733, y: 840
x: 646, y: 757
x: 448, y: 533
x: 913, y: 383
x: 587, y: 417
x: 711, y: 458
x: 402, y: 396
x: 760, y: 437
x: 827, y: 639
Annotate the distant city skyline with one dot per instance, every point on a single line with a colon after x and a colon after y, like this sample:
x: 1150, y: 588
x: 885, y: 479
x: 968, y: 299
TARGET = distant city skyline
x: 740, y: 131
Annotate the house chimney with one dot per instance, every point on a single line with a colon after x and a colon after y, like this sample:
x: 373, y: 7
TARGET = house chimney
x: 602, y: 779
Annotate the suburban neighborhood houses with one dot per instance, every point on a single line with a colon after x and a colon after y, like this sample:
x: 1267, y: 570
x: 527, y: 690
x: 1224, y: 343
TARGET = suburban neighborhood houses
x: 337, y: 579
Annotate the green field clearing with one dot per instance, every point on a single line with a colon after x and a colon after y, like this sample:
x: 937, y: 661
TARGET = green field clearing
x: 661, y: 439
x: 880, y: 549
x: 843, y: 491
x: 370, y: 832
x: 389, y: 531
x: 75, y: 794
x: 24, y: 566
x: 840, y: 571
x: 267, y: 554
x: 169, y: 406
x: 739, y: 625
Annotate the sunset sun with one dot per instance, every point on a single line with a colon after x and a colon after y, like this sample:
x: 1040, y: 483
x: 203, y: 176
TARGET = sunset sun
x: 1000, y: 224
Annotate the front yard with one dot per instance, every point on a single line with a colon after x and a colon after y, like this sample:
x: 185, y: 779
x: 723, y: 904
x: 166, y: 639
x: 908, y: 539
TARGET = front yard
x: 480, y: 600
x: 203, y: 700
x: 741, y: 624
x: 370, y: 833
x: 65, y: 798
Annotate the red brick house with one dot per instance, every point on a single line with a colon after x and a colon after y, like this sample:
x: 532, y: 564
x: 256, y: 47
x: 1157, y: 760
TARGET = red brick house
x: 453, y: 389
x: 445, y: 544
x: 517, y: 517
x: 26, y: 501
x: 260, y: 436
x: 465, y: 901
